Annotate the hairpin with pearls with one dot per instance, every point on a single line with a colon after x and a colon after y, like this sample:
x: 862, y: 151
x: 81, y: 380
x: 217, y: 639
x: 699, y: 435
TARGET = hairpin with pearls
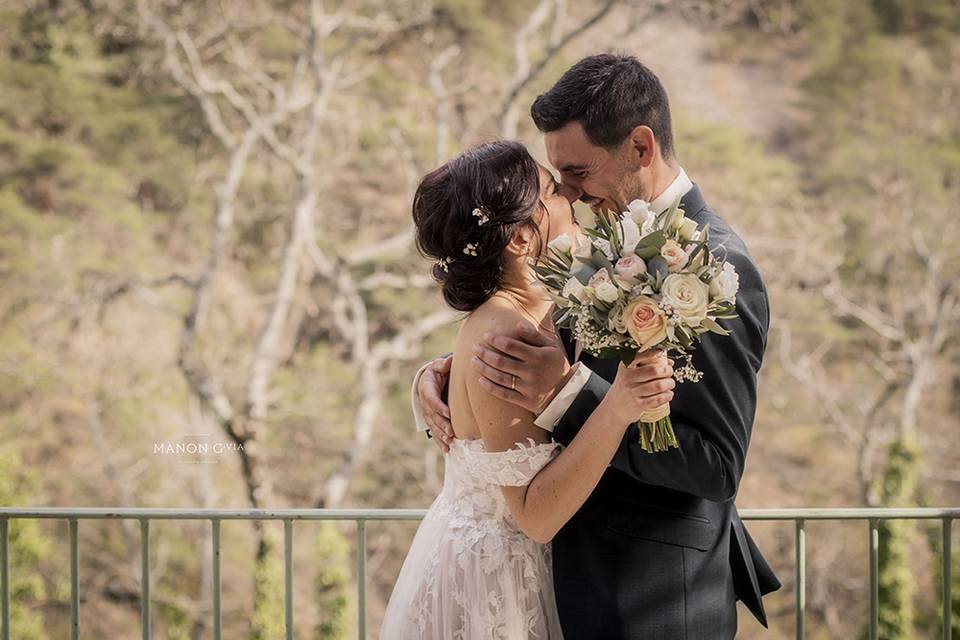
x: 444, y: 263
x: 470, y: 249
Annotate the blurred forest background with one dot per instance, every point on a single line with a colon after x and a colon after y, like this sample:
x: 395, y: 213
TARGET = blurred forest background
x: 205, y: 237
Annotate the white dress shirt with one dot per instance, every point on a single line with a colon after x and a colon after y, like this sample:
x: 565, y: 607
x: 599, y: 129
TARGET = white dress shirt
x: 561, y: 402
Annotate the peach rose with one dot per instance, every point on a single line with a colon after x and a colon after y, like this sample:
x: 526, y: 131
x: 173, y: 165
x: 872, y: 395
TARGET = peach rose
x: 645, y: 322
x: 674, y: 254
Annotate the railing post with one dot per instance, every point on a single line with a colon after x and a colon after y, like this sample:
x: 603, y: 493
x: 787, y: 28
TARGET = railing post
x: 215, y: 555
x: 288, y: 576
x: 145, y: 578
x: 4, y: 579
x: 947, y: 578
x: 74, y: 581
x: 874, y: 578
x: 361, y: 579
x: 801, y: 571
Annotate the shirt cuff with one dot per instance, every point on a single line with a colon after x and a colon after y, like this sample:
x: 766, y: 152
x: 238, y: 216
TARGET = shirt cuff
x: 561, y: 402
x: 415, y: 400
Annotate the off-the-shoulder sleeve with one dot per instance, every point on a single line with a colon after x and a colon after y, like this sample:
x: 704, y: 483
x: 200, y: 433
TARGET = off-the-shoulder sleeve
x: 514, y: 467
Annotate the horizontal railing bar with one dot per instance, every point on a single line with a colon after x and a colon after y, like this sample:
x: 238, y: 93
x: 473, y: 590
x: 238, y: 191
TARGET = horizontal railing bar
x: 107, y: 513
x: 87, y: 513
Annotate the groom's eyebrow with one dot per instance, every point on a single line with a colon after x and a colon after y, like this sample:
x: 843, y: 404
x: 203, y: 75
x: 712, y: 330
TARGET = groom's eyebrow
x: 572, y: 168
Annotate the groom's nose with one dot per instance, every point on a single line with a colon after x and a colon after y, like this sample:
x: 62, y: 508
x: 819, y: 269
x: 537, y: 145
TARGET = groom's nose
x: 570, y: 192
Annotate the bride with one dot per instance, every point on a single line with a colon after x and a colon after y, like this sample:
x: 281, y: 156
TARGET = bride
x: 480, y: 565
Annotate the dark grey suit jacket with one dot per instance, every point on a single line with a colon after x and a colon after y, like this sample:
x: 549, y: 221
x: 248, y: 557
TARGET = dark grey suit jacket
x: 658, y: 551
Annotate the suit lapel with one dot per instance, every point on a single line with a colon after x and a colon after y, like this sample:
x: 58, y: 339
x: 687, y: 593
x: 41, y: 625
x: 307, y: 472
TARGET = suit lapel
x: 693, y: 203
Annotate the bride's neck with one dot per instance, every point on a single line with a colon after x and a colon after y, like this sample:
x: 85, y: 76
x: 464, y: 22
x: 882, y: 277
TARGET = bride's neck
x: 523, y: 289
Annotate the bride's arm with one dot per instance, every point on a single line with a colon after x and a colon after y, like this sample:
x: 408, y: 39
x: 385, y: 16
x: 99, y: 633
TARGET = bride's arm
x: 558, y: 491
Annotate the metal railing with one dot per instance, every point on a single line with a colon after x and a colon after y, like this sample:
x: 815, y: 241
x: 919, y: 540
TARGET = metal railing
x: 800, y: 517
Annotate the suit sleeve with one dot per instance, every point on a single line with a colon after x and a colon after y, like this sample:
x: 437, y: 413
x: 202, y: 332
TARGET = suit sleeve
x: 713, y: 418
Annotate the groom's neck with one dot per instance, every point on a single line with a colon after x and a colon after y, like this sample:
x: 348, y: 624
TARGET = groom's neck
x: 664, y: 173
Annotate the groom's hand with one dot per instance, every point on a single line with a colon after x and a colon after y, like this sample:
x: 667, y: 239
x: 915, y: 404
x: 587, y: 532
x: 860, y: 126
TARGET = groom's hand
x: 527, y: 368
x: 436, y: 413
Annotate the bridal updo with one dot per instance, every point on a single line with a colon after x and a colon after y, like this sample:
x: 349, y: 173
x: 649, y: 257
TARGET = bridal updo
x: 467, y: 211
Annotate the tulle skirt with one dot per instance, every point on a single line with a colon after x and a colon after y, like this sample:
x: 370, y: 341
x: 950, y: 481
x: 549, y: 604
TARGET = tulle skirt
x: 469, y: 576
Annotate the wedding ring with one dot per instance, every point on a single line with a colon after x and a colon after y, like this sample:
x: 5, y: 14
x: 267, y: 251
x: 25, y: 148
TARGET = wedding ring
x: 513, y: 382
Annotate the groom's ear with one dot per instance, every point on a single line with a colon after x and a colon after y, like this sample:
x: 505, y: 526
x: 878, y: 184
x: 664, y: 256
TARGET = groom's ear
x: 643, y: 145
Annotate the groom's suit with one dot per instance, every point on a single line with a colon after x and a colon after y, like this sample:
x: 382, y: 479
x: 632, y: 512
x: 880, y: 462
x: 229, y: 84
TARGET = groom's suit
x: 658, y: 551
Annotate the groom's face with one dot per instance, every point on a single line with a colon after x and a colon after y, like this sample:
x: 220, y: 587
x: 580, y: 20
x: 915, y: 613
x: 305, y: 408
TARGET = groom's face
x: 602, y: 178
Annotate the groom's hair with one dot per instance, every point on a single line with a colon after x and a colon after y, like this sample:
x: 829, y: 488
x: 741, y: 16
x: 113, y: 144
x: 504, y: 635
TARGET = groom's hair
x: 610, y: 95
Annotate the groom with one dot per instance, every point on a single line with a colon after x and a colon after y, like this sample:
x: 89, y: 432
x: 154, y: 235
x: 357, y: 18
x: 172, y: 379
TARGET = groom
x: 658, y: 552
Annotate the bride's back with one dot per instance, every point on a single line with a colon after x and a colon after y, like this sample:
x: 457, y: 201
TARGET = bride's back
x: 497, y: 315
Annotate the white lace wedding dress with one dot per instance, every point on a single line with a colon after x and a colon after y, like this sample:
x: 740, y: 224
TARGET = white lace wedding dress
x: 471, y: 573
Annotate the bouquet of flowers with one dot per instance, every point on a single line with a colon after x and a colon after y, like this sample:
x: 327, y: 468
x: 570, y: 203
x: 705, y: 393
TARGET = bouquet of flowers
x: 638, y: 281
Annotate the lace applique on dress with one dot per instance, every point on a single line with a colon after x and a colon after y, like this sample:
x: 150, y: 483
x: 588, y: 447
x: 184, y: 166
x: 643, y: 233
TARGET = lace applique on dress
x: 471, y: 573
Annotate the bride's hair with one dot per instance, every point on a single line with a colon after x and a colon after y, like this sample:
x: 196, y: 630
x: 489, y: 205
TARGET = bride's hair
x: 466, y: 213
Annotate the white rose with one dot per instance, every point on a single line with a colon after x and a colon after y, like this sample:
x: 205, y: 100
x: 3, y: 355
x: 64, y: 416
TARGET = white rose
x: 629, y: 235
x: 648, y: 225
x: 638, y: 210
x: 688, y: 296
x: 585, y: 217
x: 674, y: 254
x: 562, y: 244
x: 726, y: 284
x: 688, y: 229
x: 607, y: 291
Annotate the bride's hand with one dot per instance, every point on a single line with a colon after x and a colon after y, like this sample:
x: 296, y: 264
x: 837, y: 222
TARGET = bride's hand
x: 646, y: 384
x: 436, y: 413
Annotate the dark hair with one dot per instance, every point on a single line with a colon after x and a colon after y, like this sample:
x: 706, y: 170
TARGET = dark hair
x: 610, y: 95
x: 502, y: 180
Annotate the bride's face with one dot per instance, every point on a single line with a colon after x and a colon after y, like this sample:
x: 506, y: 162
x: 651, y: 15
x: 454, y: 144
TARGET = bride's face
x: 555, y: 213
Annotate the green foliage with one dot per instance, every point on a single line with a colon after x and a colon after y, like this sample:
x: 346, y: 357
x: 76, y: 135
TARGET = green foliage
x: 27, y: 546
x: 267, y: 621
x: 332, y: 551
x: 895, y: 579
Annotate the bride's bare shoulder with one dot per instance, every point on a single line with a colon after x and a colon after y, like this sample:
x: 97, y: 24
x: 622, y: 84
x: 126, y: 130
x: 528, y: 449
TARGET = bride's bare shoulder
x: 496, y: 315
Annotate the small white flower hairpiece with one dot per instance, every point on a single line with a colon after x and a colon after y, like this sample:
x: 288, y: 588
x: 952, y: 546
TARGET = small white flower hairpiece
x: 482, y: 215
x: 444, y: 263
x: 470, y: 249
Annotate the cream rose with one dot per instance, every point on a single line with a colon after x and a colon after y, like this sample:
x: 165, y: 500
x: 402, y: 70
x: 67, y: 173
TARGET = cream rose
x: 688, y: 296
x: 645, y: 322
x: 574, y: 288
x: 726, y: 284
x: 688, y: 229
x: 674, y: 254
x: 583, y: 249
x: 607, y: 292
x: 629, y: 267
